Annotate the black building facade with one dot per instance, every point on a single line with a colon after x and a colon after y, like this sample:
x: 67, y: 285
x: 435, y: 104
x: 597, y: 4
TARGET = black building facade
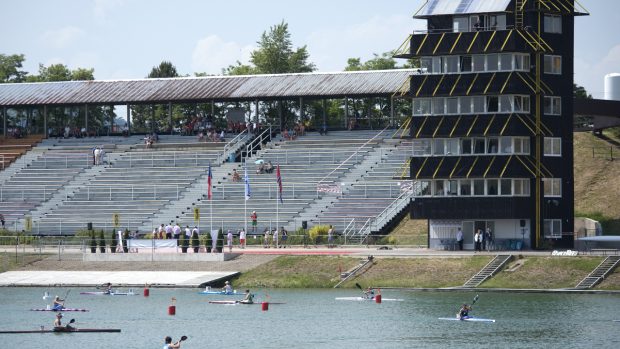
x: 492, y: 128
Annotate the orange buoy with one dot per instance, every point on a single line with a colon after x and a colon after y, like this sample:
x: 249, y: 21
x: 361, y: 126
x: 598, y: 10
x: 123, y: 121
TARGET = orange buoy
x: 265, y: 306
x: 378, y: 299
x: 172, y: 310
x: 146, y: 292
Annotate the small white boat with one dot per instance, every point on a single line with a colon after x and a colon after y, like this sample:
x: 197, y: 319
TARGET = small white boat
x: 467, y: 318
x: 113, y: 293
x: 360, y: 299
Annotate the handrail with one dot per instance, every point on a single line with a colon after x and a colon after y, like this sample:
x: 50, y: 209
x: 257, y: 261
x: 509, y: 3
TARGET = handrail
x: 258, y: 141
x: 391, y: 210
x: 232, y: 146
x: 345, y: 231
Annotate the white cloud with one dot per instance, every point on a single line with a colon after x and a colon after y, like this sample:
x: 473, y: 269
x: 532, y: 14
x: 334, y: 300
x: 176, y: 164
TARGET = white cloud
x: 591, y: 75
x: 102, y: 7
x: 331, y: 47
x: 211, y: 54
x: 63, y: 37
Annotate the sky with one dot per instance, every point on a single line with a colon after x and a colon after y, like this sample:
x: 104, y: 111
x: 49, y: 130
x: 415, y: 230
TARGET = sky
x: 125, y: 39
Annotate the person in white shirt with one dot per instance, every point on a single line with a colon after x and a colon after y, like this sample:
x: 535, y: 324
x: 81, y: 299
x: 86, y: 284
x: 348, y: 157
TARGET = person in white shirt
x: 176, y: 230
x: 227, y: 288
x: 168, y: 230
x: 275, y: 238
x: 459, y: 238
x: 242, y: 238
x: 188, y: 232
x: 229, y: 240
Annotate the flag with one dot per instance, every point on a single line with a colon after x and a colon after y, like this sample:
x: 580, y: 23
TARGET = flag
x: 210, y: 177
x: 279, y: 180
x: 248, y: 194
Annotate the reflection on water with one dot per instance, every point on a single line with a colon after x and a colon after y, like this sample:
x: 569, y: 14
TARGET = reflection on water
x: 314, y: 319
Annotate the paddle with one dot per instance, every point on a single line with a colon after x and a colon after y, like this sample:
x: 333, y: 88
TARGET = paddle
x: 366, y: 295
x: 475, y: 300
x: 183, y: 338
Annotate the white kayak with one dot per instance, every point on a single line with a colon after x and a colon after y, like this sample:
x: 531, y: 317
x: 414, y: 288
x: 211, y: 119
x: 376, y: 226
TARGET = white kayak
x: 467, y: 318
x: 359, y: 299
x: 113, y: 293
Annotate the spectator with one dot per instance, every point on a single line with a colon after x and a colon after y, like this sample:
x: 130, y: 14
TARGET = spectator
x: 235, y: 176
x: 267, y: 238
x: 283, y: 237
x: 254, y: 218
x: 2, y: 220
x: 242, y: 238
x: 269, y: 167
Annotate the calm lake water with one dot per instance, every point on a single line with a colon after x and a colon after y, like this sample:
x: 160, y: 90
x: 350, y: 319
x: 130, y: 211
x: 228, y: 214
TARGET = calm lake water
x: 314, y: 319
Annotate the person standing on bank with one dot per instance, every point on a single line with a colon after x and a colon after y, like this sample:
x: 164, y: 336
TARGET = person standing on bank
x: 477, y: 240
x: 488, y: 238
x: 459, y: 238
x: 254, y: 219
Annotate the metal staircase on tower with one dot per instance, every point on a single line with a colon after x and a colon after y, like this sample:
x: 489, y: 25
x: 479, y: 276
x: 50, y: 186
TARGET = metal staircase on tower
x: 599, y: 273
x: 489, y: 270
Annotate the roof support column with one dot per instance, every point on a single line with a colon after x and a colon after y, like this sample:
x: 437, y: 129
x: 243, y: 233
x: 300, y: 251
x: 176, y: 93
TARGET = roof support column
x: 391, y: 101
x: 212, y: 108
x: 86, y: 117
x: 128, y: 120
x: 152, y: 118
x: 346, y: 112
x: 325, y: 113
x: 280, y: 115
x: 256, y: 115
x: 4, y: 121
x: 170, y: 118
x: 301, y: 109
x: 45, y: 130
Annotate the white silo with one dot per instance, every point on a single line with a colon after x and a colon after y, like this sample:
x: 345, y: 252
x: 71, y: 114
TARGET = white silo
x: 612, y: 87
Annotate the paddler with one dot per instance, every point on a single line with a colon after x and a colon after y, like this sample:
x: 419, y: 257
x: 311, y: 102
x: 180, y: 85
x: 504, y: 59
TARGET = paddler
x: 248, y: 299
x: 464, y: 312
x: 227, y: 288
x: 369, y: 293
x: 58, y: 304
x: 108, y: 288
x: 169, y: 345
x: 58, y: 324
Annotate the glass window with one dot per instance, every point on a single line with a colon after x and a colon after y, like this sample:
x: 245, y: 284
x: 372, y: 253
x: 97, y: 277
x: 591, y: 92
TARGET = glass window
x: 522, y: 104
x: 466, y: 63
x: 552, y: 187
x: 553, y: 105
x: 505, y: 186
x: 505, y: 61
x: 553, y: 146
x: 451, y: 64
x: 552, y: 228
x: 505, y: 144
x: 466, y: 107
x: 553, y: 64
x: 553, y: 24
x: 438, y: 147
x: 492, y: 62
x: 478, y: 186
x: 492, y: 104
x: 452, y: 105
x: 422, y: 188
x: 522, y: 62
x: 478, y: 102
x: 497, y: 22
x: 453, y: 187
x: 478, y: 63
x: 492, y: 145
x: 426, y: 64
x: 465, y: 187
x: 422, y: 106
x: 438, y: 107
x: 439, y: 188
x: 505, y: 103
x: 460, y: 24
x: 492, y: 187
x: 522, y: 145
x: 452, y: 146
x: 421, y: 147
x: 436, y: 65
x: 521, y: 187
x: 466, y: 145
x: 479, y: 146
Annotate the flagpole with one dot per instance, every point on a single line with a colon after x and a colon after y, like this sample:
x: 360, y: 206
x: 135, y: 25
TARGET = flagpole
x: 245, y: 199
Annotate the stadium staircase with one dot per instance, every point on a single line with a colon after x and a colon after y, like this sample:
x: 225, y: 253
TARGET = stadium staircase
x: 495, y: 265
x: 599, y: 273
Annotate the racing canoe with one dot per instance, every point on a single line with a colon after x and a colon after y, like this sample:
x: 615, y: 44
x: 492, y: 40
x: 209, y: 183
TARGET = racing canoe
x: 467, y: 318
x: 114, y: 293
x: 61, y: 310
x: 234, y: 293
x: 368, y: 299
x: 240, y: 302
x: 75, y: 330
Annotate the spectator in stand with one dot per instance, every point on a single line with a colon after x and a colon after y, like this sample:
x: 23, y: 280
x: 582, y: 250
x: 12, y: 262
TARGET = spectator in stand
x: 235, y: 176
x: 2, y: 220
x: 286, y: 135
x: 254, y: 218
x: 269, y: 167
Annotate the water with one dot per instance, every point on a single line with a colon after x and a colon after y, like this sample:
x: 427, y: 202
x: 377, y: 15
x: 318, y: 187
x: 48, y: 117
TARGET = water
x: 314, y: 319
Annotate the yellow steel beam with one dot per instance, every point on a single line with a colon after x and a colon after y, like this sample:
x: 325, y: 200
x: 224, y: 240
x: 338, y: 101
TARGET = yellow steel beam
x: 533, y: 88
x: 439, y: 42
x: 501, y: 175
x: 455, y: 125
x: 421, y: 127
x: 405, y: 127
x: 547, y: 173
x: 489, y: 83
x: 438, y: 85
x: 455, y: 166
x: 438, y: 167
x: 458, y: 78
x: 522, y: 5
x: 404, y: 48
x: 526, y: 40
x: 420, y: 9
x: 486, y: 130
x: 405, y: 168
x: 506, y: 124
x: 489, y: 167
x: 544, y: 46
x: 421, y: 85
x: 438, y: 126
x: 506, y: 40
x: 472, y: 125
x: 472, y: 84
x: 456, y: 41
x: 417, y: 175
x: 471, y: 168
x: 526, y: 125
x: 472, y: 41
x: 505, y: 83
x: 489, y: 42
x: 525, y: 165
x: 422, y: 44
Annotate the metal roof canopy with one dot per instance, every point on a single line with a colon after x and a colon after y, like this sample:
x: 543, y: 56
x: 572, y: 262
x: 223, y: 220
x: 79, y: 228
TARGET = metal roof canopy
x: 205, y: 89
x: 461, y: 7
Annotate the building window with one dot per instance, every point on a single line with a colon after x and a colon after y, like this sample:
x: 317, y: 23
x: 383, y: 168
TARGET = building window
x: 460, y: 24
x: 553, y: 64
x: 421, y: 147
x: 478, y: 63
x: 453, y: 187
x: 451, y: 64
x: 522, y: 104
x: 505, y: 186
x: 466, y: 146
x: 478, y: 103
x: 521, y: 187
x: 466, y: 64
x: 492, y: 104
x: 492, y: 62
x: 497, y: 22
x: 552, y: 187
x: 466, y: 105
x: 522, y: 62
x: 438, y: 147
x: 465, y: 187
x: 479, y: 145
x: 505, y: 103
x: 452, y: 105
x: 553, y: 146
x: 552, y: 228
x: 505, y: 144
x: 493, y: 145
x: 492, y: 187
x: 439, y: 188
x: 422, y: 106
x: 478, y: 187
x: 553, y: 24
x: 422, y: 188
x: 553, y: 105
x: 505, y: 62
x: 438, y: 106
x: 522, y: 145
x: 452, y: 146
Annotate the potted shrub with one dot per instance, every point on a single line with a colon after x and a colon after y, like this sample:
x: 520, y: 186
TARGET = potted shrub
x: 183, y: 242
x: 125, y: 237
x: 208, y: 242
x: 113, y: 242
x: 93, y: 243
x: 195, y: 242
x: 101, y: 242
x: 318, y: 233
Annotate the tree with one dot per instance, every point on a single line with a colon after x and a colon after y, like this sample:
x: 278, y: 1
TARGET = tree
x: 10, y: 68
x: 275, y: 54
x: 579, y: 92
x: 83, y: 74
x: 239, y: 69
x: 379, y: 62
x: 165, y: 69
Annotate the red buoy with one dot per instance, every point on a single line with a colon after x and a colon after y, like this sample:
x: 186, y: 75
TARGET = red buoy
x: 172, y: 310
x: 265, y: 306
x: 146, y: 292
x: 378, y: 298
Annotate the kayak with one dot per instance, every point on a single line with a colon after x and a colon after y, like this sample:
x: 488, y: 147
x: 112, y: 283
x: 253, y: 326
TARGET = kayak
x: 62, y: 310
x: 368, y: 299
x: 221, y: 293
x: 66, y: 331
x: 467, y: 318
x: 240, y: 302
x: 114, y: 293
